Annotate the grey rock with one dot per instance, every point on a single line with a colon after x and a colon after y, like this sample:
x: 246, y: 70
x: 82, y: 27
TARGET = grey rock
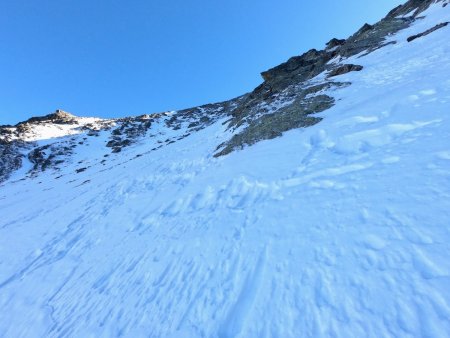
x: 260, y: 113
x: 345, y: 69
x: 412, y: 6
x: 428, y: 31
x: 10, y: 159
x: 333, y: 43
x: 58, y: 117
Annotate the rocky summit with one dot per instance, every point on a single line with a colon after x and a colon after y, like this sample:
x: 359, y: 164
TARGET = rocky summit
x: 316, y: 205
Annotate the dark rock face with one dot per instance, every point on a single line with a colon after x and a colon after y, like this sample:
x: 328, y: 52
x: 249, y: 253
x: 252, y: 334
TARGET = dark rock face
x: 49, y: 156
x: 10, y: 152
x: 429, y: 31
x: 298, y: 68
x: 333, y: 43
x: 412, y: 6
x: 268, y: 118
x: 370, y: 38
x: 345, y: 69
x: 282, y: 102
x: 269, y: 126
x: 10, y: 159
x: 287, y: 96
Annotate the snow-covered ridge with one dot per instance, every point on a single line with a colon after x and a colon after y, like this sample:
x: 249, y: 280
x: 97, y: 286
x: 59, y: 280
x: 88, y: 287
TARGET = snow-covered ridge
x: 340, y: 229
x: 48, y: 143
x: 290, y: 97
x: 46, y: 131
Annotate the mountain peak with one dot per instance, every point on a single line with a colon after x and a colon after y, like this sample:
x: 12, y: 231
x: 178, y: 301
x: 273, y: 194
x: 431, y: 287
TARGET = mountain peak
x: 59, y: 116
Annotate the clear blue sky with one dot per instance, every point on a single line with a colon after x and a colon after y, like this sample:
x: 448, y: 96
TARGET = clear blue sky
x: 113, y: 58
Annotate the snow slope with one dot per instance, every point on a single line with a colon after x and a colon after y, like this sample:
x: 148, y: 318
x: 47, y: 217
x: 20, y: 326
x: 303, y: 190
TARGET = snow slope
x: 341, y: 229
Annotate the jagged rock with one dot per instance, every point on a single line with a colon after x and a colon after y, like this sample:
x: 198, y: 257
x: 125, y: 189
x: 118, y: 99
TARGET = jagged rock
x: 345, y: 69
x: 412, y: 6
x: 295, y: 114
x: 370, y: 39
x: 429, y: 31
x: 333, y: 43
x: 58, y: 117
x: 38, y: 157
x: 49, y: 156
x: 128, y: 130
x: 298, y: 68
x: 286, y: 82
x: 365, y: 28
x: 10, y: 159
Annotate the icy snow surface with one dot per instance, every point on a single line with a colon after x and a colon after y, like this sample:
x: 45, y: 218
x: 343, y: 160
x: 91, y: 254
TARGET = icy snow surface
x: 337, y: 230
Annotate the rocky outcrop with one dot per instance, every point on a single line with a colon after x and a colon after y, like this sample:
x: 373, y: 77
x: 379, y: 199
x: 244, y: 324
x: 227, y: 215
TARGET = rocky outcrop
x: 428, y: 31
x: 10, y: 159
x: 199, y: 117
x: 289, y: 97
x: 412, y: 8
x: 58, y: 117
x: 50, y: 156
x: 128, y: 130
x: 334, y: 43
x: 344, y: 69
x: 267, y: 119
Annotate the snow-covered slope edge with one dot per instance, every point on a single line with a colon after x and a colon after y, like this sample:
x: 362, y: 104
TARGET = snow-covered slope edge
x: 339, y: 229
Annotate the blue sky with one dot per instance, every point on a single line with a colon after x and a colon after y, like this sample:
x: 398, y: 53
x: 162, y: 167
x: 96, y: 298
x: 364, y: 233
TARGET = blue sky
x: 112, y: 58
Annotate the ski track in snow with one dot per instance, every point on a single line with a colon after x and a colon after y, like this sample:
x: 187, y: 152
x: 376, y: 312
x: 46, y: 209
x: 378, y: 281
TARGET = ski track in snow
x: 340, y: 229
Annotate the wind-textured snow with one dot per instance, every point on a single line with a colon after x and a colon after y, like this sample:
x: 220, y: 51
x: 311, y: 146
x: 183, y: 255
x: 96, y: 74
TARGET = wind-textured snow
x: 341, y: 229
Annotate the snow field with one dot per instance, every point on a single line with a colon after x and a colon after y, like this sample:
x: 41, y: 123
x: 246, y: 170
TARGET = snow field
x: 340, y: 229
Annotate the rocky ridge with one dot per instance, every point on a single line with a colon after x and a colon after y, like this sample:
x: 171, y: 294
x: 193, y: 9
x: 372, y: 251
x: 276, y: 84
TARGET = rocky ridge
x: 287, y: 99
